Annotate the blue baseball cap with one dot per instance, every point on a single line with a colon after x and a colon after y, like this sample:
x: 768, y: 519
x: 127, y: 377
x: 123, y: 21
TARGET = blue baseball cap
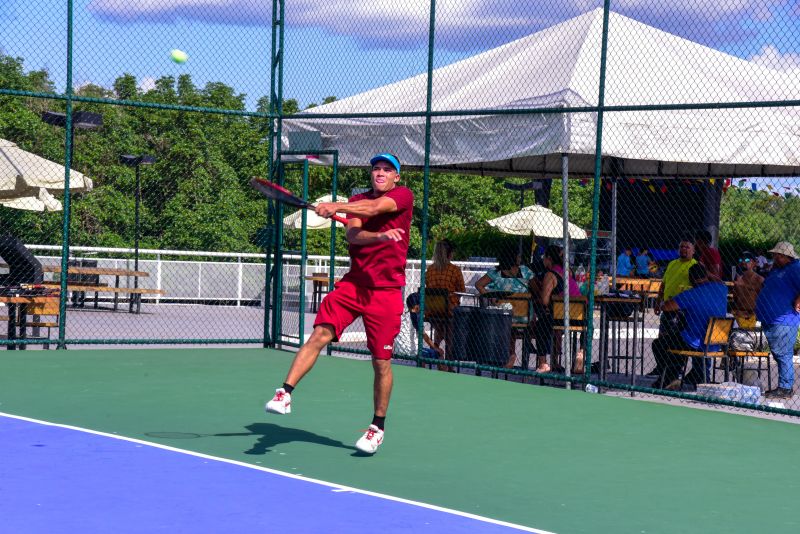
x: 389, y: 158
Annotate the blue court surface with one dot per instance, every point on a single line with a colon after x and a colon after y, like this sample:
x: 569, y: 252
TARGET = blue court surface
x: 57, y: 478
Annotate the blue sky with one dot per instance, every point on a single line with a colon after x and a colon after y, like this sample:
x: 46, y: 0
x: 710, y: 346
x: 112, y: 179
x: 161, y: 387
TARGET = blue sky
x: 342, y: 47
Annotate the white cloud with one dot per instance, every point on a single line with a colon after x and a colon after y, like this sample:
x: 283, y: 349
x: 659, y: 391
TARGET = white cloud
x: 770, y: 56
x: 461, y: 24
x: 86, y: 83
x: 148, y: 83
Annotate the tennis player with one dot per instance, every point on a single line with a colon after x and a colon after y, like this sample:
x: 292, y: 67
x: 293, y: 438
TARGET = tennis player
x: 378, y: 225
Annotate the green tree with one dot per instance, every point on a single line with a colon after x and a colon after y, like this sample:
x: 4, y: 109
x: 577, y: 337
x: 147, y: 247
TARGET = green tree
x: 125, y: 87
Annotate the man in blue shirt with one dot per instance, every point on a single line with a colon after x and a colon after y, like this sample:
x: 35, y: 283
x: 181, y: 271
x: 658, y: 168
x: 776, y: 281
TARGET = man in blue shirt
x: 778, y: 309
x: 643, y: 263
x: 705, y: 299
x: 624, y: 263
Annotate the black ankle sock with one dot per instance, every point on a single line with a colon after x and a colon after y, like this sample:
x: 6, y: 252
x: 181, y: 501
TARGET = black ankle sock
x: 379, y: 421
x: 287, y: 388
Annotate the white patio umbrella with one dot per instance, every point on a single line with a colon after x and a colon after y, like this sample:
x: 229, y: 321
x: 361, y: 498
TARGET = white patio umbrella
x: 313, y: 221
x: 24, y: 174
x: 43, y: 202
x: 536, y: 220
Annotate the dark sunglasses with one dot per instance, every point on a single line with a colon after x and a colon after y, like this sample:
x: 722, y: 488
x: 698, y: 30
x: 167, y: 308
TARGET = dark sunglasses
x: 745, y: 260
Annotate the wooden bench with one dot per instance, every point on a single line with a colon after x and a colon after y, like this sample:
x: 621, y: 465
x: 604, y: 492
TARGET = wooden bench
x: 37, y: 310
x: 135, y: 292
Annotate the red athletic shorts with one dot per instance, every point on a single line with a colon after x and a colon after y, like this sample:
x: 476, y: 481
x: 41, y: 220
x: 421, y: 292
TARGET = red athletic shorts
x: 380, y: 308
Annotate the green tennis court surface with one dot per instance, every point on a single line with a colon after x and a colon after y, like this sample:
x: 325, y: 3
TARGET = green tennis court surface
x: 542, y: 457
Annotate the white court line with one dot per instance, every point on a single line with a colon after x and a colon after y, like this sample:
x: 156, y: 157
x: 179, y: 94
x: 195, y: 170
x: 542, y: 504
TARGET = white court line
x: 347, y: 337
x: 336, y: 487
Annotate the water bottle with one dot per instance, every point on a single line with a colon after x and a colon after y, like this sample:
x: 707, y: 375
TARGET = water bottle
x: 591, y: 388
x: 580, y: 274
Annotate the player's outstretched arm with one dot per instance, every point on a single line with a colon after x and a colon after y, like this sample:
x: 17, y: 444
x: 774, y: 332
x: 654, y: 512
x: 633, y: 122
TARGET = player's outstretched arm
x: 356, y: 235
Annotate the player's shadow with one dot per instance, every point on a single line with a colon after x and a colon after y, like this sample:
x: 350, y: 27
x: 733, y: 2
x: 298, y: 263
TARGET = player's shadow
x: 271, y: 435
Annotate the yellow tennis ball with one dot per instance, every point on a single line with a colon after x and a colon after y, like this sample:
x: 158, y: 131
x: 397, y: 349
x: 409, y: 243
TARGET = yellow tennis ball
x: 179, y: 56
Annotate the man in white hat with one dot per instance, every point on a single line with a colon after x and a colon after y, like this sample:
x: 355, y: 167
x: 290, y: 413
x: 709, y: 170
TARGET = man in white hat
x: 778, y: 309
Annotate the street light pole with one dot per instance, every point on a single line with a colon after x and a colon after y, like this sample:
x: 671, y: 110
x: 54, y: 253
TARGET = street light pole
x: 137, y: 162
x: 82, y: 120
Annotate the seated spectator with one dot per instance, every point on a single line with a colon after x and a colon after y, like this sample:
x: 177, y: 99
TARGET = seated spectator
x: 643, y: 261
x: 746, y: 287
x: 406, y: 341
x: 708, y: 255
x: 706, y: 299
x: 675, y: 281
x: 442, y: 274
x: 508, y: 276
x: 624, y: 263
x: 550, y: 287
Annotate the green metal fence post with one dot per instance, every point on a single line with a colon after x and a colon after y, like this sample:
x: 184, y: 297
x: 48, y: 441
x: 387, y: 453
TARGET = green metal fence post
x: 301, y: 304
x: 426, y: 177
x: 332, y: 259
x: 62, y: 303
x: 598, y: 167
x: 276, y: 171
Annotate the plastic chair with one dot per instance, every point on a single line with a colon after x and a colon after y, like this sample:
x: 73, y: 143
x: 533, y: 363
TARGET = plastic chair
x: 521, y: 318
x: 718, y: 332
x: 652, y: 292
x: 578, y: 323
x: 438, y: 313
x: 747, y: 322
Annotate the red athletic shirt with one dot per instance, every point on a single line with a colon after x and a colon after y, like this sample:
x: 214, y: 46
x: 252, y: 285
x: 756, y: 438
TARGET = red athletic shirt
x: 382, y: 264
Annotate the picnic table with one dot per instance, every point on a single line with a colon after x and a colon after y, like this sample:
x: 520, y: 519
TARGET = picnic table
x: 83, y: 284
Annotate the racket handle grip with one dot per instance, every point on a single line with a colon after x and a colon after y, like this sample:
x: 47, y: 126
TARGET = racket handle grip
x: 339, y: 219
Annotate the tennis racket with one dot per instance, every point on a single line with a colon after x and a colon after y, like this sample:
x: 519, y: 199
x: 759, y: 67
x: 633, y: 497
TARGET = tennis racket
x: 280, y: 194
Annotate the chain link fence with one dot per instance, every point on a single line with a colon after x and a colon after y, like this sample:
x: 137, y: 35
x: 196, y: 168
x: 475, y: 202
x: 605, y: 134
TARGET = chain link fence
x: 570, y: 165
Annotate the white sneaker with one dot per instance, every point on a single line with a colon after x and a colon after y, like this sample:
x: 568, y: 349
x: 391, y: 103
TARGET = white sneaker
x: 281, y: 403
x: 370, y: 441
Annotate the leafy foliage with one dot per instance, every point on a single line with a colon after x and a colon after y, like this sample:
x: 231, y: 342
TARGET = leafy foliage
x: 196, y: 195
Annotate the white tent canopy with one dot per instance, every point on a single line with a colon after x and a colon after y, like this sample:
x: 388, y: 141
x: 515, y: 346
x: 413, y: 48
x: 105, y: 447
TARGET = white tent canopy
x: 558, y: 67
x: 536, y: 220
x: 24, y: 174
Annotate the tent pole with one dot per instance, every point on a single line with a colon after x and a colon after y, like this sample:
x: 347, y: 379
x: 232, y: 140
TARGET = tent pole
x: 521, y: 205
x: 614, y: 232
x: 565, y: 345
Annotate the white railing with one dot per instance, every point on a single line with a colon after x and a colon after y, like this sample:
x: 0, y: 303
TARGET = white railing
x: 236, y: 277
